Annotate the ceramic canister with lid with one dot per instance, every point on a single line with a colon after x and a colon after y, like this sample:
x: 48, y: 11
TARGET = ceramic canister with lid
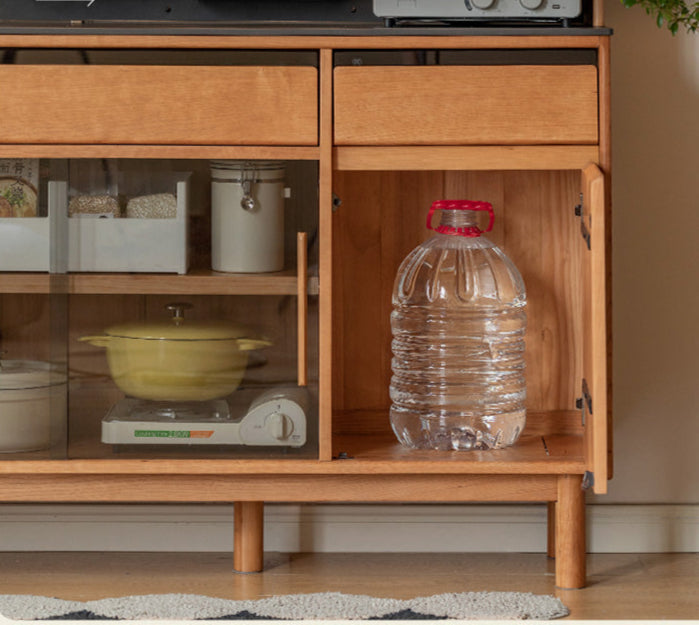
x: 247, y: 216
x: 32, y: 393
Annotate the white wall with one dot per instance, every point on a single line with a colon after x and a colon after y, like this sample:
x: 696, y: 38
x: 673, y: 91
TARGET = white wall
x: 655, y: 152
x: 343, y: 528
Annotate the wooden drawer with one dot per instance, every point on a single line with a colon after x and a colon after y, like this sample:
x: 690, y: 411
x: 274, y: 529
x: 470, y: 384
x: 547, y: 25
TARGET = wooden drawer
x: 150, y: 104
x: 466, y: 105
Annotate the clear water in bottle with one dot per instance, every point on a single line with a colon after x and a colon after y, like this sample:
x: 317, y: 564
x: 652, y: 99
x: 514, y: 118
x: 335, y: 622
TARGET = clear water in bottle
x: 458, y: 323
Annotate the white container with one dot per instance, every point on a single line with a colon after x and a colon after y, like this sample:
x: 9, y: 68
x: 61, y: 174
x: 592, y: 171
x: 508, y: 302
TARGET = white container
x: 134, y: 244
x: 32, y: 394
x: 247, y: 216
x: 25, y: 243
x: 59, y: 243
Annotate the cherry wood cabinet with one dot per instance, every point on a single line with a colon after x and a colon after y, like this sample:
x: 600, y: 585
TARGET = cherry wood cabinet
x: 385, y: 140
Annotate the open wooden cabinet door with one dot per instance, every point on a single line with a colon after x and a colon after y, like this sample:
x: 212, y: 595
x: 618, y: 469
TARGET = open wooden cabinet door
x: 596, y: 415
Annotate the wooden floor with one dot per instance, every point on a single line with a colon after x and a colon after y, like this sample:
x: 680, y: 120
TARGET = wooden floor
x: 622, y: 586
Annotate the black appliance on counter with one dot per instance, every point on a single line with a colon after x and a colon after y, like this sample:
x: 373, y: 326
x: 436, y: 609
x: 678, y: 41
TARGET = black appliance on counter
x: 171, y: 11
x: 319, y: 14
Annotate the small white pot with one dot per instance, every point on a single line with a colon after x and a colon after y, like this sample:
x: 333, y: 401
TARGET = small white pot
x: 31, y: 394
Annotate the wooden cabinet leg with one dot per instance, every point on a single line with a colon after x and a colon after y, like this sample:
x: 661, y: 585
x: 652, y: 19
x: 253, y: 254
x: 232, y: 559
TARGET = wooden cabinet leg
x: 551, y: 529
x: 248, y: 536
x: 570, y: 533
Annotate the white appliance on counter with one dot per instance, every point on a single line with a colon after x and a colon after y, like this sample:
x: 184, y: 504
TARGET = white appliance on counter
x: 477, y: 9
x: 277, y: 417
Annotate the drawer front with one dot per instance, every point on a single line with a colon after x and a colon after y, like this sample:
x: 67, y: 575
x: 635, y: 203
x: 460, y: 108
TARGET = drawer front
x: 136, y: 104
x: 466, y: 105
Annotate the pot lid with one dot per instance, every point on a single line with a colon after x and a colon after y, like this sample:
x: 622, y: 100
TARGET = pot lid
x: 182, y: 330
x: 25, y: 374
x: 177, y: 328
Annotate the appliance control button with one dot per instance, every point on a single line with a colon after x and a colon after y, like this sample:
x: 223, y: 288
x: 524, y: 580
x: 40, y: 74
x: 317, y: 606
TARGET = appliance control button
x: 531, y: 4
x: 483, y: 4
x: 279, y: 425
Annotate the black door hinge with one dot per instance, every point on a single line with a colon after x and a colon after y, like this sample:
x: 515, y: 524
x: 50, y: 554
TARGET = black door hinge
x: 584, y: 230
x: 584, y: 403
x: 587, y: 396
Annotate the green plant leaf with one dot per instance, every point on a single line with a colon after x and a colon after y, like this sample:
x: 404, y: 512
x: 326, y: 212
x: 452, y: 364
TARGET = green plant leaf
x: 670, y: 13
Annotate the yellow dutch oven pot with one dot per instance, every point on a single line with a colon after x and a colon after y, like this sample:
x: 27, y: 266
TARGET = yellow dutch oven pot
x: 177, y: 360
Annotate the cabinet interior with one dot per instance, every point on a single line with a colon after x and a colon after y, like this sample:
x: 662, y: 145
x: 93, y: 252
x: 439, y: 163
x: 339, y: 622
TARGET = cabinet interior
x: 382, y: 218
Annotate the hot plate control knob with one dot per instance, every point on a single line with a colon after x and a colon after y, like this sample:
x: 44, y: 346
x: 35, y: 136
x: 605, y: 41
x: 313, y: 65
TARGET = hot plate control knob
x: 279, y: 426
x: 482, y: 4
x: 531, y: 4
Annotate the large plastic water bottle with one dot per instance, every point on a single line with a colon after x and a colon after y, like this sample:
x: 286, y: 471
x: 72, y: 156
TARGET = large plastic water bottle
x: 458, y: 322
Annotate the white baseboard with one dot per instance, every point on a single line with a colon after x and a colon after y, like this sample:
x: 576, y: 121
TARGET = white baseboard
x: 342, y: 528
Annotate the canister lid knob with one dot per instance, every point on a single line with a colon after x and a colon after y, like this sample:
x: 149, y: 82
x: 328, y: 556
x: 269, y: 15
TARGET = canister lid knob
x: 247, y: 202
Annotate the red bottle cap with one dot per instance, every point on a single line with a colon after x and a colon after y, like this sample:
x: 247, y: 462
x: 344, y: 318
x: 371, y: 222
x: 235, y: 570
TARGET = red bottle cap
x: 466, y: 205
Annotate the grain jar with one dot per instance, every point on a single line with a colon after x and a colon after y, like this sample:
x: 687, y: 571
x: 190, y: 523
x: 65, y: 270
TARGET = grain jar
x: 247, y: 216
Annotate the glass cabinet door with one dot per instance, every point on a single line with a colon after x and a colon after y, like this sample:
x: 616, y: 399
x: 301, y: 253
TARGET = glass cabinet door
x: 171, y: 306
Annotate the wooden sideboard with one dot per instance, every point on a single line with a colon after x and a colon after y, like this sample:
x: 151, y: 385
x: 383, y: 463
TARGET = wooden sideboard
x: 520, y: 120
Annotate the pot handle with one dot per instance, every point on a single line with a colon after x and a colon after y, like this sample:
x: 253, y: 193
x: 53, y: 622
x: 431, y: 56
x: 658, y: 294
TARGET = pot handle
x: 97, y: 341
x: 246, y: 345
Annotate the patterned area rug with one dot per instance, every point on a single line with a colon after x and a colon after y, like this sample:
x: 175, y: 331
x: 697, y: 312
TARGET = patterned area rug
x: 318, y: 606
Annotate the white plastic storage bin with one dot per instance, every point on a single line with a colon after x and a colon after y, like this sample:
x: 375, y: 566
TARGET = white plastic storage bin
x: 31, y: 243
x: 134, y: 244
x: 93, y: 243
x: 25, y: 243
x: 131, y: 243
x: 24, y: 237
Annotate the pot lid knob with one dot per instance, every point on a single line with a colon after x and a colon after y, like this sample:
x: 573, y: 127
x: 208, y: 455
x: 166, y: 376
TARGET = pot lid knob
x: 177, y: 309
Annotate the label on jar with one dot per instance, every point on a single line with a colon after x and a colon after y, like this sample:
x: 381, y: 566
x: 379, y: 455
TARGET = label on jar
x: 19, y: 183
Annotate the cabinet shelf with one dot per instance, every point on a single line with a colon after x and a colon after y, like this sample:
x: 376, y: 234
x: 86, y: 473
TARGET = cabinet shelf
x: 196, y: 282
x: 532, y: 454
x: 369, y: 456
x: 552, y: 443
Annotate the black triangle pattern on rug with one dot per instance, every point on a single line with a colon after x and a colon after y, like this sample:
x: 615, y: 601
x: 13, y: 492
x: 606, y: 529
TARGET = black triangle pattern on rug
x: 408, y: 615
x: 80, y: 615
x: 402, y: 615
x: 243, y: 616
